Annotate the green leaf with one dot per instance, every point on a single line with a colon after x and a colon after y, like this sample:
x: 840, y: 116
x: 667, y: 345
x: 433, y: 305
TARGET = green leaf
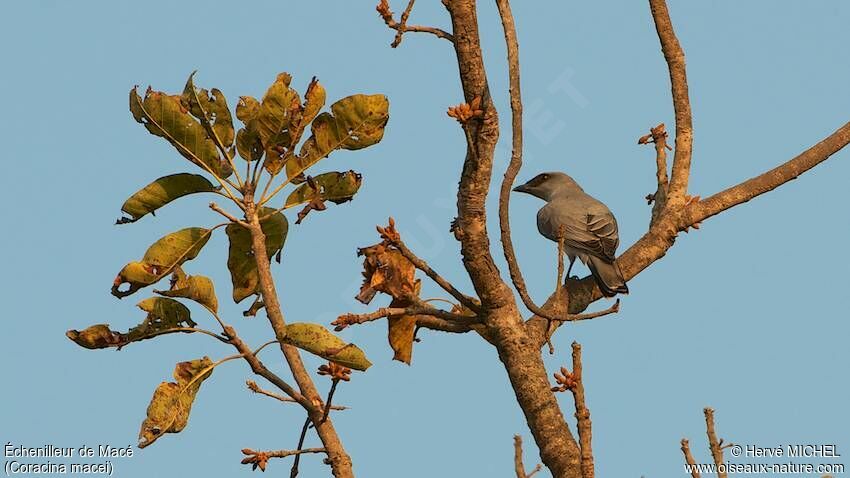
x: 318, y: 340
x: 211, y: 111
x: 197, y: 288
x: 163, y: 314
x: 166, y: 116
x: 240, y: 259
x: 161, y: 192
x: 161, y: 258
x: 337, y: 187
x: 355, y: 122
x: 168, y: 411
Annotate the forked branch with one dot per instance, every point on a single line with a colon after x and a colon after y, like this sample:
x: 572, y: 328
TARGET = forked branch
x: 675, y: 58
x: 401, y: 26
x: 519, y: 467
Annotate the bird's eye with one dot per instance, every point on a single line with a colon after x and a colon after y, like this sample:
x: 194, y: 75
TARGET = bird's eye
x: 544, y: 176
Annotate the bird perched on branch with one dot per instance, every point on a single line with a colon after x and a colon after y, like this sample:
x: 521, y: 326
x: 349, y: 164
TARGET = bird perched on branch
x: 588, y: 227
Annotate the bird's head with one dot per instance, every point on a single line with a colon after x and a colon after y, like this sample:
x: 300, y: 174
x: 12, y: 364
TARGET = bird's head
x: 547, y: 185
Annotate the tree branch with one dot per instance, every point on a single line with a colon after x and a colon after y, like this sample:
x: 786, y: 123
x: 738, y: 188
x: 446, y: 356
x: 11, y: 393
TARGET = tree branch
x: 401, y: 27
x: 260, y: 369
x: 339, y: 459
x: 658, y: 137
x: 519, y: 467
x: 714, y: 444
x: 252, y: 386
x: 419, y: 308
x: 689, y: 458
x: 769, y: 180
x: 675, y: 58
x: 423, y: 266
x: 582, y: 415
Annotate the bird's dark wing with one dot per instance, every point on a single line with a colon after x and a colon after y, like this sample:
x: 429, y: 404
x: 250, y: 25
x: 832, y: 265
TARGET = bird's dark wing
x: 603, y: 227
x: 587, y: 225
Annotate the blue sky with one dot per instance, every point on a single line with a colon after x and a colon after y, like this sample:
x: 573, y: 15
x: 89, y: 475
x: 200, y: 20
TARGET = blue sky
x: 744, y: 315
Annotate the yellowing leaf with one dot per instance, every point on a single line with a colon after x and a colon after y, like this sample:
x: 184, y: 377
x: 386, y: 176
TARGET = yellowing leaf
x: 161, y: 258
x: 355, y: 122
x: 166, y: 116
x: 163, y: 314
x: 161, y: 192
x: 168, y: 411
x: 279, y: 113
x: 400, y: 335
x: 211, y: 111
x: 318, y: 340
x: 197, y: 288
x: 240, y: 258
x: 337, y: 187
x: 95, y: 337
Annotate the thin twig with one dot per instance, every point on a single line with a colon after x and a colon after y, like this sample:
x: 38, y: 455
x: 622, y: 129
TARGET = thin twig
x: 714, y: 444
x: 293, y: 472
x: 423, y: 266
x: 689, y: 458
x: 330, y: 398
x: 286, y: 453
x: 215, y: 207
x: 174, y: 330
x: 402, y: 27
x: 519, y: 467
x: 252, y: 386
x: 260, y: 369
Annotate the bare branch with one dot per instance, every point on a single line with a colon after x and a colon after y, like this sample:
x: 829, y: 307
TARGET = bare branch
x: 394, y: 238
x: 582, y: 415
x: 713, y: 443
x: 689, y: 458
x: 519, y: 467
x: 675, y: 58
x: 215, y: 207
x: 769, y: 180
x: 401, y: 27
x: 259, y: 459
x: 260, y: 369
x: 516, y: 158
x: 658, y: 137
x: 252, y: 386
x: 419, y: 308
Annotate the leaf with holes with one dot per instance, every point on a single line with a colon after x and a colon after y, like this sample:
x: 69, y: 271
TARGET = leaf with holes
x: 318, y: 340
x: 163, y: 314
x: 198, y: 288
x: 210, y: 108
x: 240, y: 258
x: 279, y: 113
x: 161, y: 192
x: 248, y: 138
x: 336, y: 187
x: 168, y: 411
x: 160, y: 259
x: 355, y: 122
x: 168, y: 117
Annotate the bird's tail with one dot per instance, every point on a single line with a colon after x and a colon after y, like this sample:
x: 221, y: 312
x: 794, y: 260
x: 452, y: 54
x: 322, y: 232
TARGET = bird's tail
x: 608, y: 277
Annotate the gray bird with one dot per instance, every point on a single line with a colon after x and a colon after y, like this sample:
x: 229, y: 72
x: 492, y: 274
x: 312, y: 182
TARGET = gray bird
x: 589, y: 228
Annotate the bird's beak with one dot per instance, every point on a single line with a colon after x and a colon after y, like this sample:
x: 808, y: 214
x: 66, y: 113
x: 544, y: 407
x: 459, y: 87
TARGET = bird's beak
x: 522, y: 188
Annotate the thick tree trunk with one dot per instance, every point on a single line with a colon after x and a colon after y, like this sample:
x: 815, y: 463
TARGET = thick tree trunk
x: 522, y: 359
x: 519, y: 354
